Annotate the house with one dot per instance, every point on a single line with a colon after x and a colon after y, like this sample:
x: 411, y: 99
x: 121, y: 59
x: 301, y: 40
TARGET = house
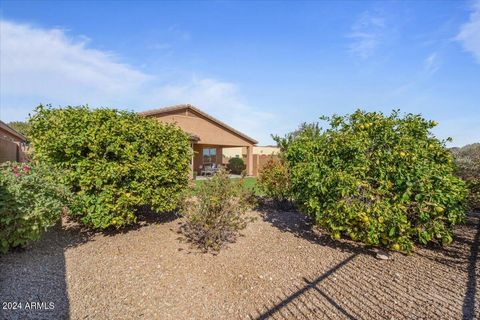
x: 208, y: 136
x: 11, y: 143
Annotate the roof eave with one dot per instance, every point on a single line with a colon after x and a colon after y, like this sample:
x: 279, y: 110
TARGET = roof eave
x: 14, y: 132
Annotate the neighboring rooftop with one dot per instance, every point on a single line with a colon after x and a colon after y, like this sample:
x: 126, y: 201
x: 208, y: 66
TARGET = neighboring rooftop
x: 12, y: 131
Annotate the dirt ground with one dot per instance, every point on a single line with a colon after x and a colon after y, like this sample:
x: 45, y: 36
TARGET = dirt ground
x: 278, y: 269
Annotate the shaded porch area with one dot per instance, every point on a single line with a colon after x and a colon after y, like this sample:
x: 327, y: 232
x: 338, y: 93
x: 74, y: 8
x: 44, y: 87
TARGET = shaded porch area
x: 206, y: 155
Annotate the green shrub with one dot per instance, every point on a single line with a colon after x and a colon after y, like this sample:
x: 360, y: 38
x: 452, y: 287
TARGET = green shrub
x: 31, y: 200
x: 274, y: 182
x: 467, y: 161
x: 114, y: 161
x: 236, y: 165
x: 382, y: 180
x: 216, y: 211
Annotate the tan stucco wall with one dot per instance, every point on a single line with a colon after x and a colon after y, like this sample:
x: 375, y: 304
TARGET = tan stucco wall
x: 266, y: 150
x: 209, y: 132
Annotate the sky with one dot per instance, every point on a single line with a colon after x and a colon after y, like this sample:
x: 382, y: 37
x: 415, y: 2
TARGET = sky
x: 262, y: 67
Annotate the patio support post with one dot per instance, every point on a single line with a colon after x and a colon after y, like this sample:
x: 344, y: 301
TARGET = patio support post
x: 250, y: 160
x: 192, y: 168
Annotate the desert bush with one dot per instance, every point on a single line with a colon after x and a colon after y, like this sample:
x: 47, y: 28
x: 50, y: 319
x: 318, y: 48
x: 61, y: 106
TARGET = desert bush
x: 467, y: 161
x: 473, y: 198
x: 113, y: 161
x: 236, y: 165
x: 274, y: 183
x: 215, y: 211
x: 383, y: 180
x: 31, y: 200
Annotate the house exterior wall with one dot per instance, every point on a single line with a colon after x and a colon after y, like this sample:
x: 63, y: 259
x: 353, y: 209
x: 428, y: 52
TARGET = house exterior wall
x: 209, y: 132
x: 10, y: 146
x: 7, y: 135
x: 9, y: 151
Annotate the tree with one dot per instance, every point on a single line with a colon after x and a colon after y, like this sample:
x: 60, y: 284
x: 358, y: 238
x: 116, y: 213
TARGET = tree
x: 383, y: 180
x: 114, y: 161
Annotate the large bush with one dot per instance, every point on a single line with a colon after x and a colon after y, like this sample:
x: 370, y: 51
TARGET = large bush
x: 236, y: 165
x: 31, y: 200
x: 274, y: 182
x: 382, y: 180
x: 467, y: 160
x: 114, y: 161
x: 215, y: 212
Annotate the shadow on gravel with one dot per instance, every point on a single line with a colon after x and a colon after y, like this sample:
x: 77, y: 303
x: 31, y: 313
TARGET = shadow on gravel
x: 459, y: 253
x: 145, y: 216
x: 295, y: 300
x: 463, y: 255
x: 36, y: 276
x: 34, y: 279
x: 302, y: 226
x: 468, y: 308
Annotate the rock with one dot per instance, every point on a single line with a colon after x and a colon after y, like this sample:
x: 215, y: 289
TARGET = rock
x: 382, y: 255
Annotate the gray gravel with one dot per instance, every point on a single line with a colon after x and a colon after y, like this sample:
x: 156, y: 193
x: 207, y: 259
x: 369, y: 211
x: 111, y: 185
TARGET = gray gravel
x: 279, y: 269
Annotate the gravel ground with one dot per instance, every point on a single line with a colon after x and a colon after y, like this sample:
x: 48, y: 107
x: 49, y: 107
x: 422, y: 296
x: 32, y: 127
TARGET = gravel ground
x: 278, y: 269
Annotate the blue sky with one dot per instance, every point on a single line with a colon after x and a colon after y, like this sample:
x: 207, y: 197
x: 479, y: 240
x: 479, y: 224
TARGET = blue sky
x: 263, y: 67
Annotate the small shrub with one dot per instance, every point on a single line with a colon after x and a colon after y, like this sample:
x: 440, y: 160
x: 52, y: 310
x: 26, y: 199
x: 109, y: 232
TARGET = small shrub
x: 274, y: 183
x: 114, y: 161
x: 216, y: 211
x: 236, y: 165
x: 382, y: 180
x: 31, y: 200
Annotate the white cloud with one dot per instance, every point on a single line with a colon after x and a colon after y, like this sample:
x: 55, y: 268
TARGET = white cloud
x: 367, y: 33
x: 431, y: 64
x: 49, y: 66
x: 469, y: 34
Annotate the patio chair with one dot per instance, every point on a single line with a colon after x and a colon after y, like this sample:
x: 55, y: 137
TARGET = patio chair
x: 208, y: 169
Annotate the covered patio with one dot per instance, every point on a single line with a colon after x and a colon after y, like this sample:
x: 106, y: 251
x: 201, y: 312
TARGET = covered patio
x: 205, y: 155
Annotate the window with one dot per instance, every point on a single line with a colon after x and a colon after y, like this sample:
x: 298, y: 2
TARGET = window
x: 209, y: 155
